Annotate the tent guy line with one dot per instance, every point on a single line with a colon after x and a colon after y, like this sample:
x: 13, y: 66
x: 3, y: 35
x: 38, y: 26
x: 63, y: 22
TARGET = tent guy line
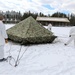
x: 15, y: 61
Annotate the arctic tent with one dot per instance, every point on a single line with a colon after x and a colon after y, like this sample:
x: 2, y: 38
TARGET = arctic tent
x: 29, y: 31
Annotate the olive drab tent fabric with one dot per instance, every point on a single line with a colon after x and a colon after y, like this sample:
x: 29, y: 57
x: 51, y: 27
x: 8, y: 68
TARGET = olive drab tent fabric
x: 29, y: 31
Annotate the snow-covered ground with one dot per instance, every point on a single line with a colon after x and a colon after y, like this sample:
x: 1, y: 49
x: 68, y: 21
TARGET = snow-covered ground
x: 43, y: 59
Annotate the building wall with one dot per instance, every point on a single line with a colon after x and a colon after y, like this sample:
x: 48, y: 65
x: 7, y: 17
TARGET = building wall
x: 54, y: 23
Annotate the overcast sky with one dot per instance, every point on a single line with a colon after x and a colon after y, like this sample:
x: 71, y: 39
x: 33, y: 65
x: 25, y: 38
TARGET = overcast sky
x: 44, y: 6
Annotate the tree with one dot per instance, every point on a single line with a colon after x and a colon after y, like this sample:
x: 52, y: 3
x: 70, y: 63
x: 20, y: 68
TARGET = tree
x: 27, y: 14
x: 58, y: 14
x: 72, y: 20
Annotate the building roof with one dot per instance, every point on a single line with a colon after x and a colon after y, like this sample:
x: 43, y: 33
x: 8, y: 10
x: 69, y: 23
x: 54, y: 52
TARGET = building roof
x: 52, y: 19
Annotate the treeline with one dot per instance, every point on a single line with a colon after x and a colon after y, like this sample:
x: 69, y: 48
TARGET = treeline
x: 71, y: 17
x: 14, y: 17
x: 11, y: 16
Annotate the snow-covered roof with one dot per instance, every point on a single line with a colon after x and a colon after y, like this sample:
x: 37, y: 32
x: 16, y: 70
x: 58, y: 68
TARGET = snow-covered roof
x: 54, y: 19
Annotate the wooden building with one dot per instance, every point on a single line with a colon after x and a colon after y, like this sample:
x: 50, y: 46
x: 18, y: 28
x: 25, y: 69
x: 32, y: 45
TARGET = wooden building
x: 55, y: 21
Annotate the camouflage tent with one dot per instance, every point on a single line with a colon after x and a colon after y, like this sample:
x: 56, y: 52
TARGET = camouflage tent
x: 29, y: 31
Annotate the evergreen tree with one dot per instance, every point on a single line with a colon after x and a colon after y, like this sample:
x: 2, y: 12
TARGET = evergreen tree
x: 58, y: 14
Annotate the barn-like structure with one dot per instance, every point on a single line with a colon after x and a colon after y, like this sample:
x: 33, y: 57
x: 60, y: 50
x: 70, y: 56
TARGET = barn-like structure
x: 55, y: 21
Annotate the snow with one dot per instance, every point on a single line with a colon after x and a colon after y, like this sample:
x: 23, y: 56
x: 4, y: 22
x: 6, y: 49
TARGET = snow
x: 42, y: 59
